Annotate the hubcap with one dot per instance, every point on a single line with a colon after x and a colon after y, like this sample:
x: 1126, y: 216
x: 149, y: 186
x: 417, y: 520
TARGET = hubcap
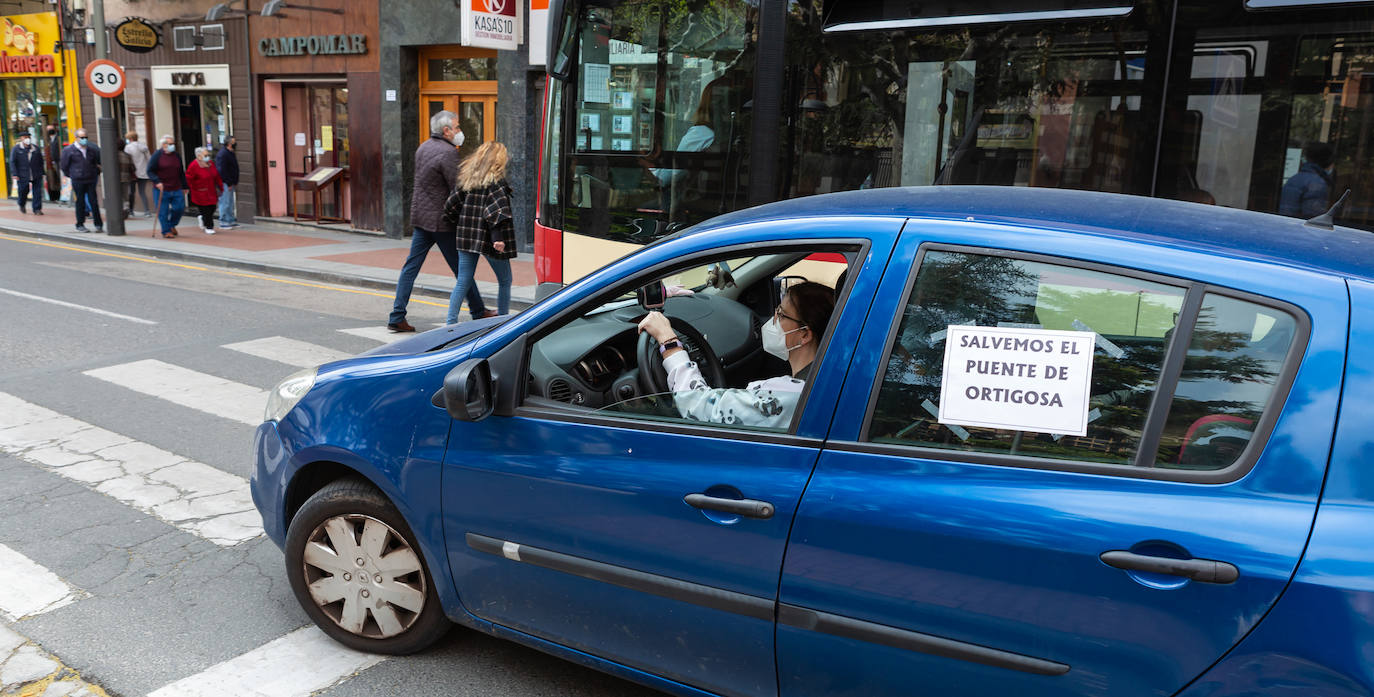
x: 364, y: 576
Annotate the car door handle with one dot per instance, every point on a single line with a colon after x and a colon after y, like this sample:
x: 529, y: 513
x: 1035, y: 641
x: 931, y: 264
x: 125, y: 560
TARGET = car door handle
x: 749, y: 508
x: 1201, y: 570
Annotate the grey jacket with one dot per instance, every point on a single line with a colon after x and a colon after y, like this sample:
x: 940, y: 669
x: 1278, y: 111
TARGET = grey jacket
x: 436, y: 169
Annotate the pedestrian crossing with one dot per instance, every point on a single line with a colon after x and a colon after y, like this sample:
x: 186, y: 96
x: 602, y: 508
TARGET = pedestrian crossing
x: 191, y: 496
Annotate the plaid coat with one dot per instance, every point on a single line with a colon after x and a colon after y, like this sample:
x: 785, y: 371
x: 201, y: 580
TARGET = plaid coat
x: 486, y: 218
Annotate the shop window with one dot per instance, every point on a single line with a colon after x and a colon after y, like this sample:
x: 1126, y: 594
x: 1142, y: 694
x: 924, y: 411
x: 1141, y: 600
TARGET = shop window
x: 212, y: 37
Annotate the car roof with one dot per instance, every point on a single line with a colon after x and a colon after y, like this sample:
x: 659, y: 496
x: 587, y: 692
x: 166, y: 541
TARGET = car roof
x: 1208, y: 229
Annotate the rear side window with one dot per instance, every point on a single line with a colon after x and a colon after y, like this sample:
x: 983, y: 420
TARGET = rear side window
x: 1234, y: 362
x: 1133, y: 320
x: 1235, y: 356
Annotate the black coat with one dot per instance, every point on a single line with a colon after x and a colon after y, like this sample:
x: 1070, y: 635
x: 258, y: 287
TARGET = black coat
x: 27, y: 166
x: 81, y: 168
x: 228, y: 165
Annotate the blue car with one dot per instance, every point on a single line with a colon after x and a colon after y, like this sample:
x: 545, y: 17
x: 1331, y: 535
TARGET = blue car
x: 924, y: 441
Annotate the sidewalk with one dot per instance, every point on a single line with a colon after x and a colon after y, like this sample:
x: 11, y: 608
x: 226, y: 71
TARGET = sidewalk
x: 302, y: 251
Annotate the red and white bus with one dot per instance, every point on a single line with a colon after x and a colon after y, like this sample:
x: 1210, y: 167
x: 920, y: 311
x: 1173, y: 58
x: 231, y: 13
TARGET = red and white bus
x: 661, y: 114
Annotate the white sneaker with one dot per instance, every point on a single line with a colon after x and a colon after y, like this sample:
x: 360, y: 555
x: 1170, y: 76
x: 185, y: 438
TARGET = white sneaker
x: 209, y: 230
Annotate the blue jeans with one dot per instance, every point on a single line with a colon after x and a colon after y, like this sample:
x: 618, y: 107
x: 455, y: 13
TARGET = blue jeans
x: 36, y: 186
x: 86, y: 200
x: 226, y: 207
x: 419, y: 249
x: 170, y: 204
x: 467, y: 269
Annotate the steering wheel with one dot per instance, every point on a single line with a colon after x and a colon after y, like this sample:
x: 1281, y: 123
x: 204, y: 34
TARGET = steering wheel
x: 653, y: 379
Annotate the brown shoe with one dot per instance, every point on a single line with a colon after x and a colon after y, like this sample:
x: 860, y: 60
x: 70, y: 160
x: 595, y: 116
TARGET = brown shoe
x: 402, y: 326
x: 486, y: 314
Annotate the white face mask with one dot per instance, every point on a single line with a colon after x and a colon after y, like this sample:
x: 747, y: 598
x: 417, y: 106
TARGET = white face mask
x: 457, y: 139
x: 775, y: 339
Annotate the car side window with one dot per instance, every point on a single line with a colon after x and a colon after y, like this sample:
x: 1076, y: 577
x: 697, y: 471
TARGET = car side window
x: 1133, y: 319
x: 714, y: 368
x: 1233, y: 365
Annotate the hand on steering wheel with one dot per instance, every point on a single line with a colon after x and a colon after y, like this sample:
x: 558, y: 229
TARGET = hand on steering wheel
x: 656, y: 328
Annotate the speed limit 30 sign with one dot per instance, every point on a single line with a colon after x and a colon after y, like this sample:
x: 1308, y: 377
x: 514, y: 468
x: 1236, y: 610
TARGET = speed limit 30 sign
x: 105, y: 78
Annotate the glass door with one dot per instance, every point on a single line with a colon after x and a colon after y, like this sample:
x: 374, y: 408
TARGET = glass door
x: 476, y: 116
x: 316, y: 132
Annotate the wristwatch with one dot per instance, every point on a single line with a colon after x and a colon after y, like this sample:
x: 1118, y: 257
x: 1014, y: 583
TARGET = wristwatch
x: 671, y: 343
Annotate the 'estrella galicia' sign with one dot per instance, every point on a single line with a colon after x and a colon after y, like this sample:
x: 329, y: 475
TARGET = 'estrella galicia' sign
x: 136, y: 35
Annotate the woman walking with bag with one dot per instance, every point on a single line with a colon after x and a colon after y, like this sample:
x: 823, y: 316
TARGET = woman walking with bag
x: 485, y: 226
x: 205, y: 187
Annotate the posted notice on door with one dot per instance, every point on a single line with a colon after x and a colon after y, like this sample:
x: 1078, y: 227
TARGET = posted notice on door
x: 1018, y: 379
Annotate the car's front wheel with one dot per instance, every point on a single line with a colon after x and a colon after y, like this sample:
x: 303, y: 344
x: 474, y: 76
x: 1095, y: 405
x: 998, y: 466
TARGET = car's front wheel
x: 356, y: 569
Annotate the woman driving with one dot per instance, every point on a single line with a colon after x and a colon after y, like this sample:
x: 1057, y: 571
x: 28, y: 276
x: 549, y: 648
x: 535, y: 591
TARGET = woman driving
x: 794, y: 335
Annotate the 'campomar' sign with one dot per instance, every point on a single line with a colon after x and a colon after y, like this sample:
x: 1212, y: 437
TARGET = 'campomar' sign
x: 1017, y: 379
x: 322, y: 45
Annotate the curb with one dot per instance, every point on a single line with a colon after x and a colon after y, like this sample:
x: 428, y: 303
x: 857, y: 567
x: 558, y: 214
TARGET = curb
x: 342, y: 279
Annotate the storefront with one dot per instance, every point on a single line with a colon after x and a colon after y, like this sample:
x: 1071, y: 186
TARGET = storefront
x: 497, y: 95
x: 190, y: 81
x: 34, y: 86
x: 312, y: 71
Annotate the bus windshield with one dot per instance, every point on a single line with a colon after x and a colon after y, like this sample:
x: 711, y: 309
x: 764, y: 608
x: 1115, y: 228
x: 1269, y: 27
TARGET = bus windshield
x: 659, y: 101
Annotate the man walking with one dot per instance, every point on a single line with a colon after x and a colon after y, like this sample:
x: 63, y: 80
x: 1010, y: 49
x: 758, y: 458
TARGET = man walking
x: 169, y: 179
x: 81, y: 164
x: 53, y: 155
x: 228, y: 165
x: 26, y: 165
x: 436, y: 168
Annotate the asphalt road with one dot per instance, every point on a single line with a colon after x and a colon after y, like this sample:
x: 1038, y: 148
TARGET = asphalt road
x: 147, y: 603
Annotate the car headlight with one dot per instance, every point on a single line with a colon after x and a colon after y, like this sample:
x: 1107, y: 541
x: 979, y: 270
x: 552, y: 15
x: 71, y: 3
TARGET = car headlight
x: 288, y: 393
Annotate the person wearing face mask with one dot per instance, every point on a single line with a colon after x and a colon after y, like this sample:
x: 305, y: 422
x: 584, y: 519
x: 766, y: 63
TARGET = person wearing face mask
x: 169, y: 180
x: 794, y: 335
x: 436, y: 169
x: 204, y: 185
x: 26, y: 165
x: 1307, y: 194
x: 81, y: 164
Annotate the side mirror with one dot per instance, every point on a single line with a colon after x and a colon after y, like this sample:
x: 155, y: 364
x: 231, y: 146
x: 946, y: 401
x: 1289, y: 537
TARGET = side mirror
x: 469, y: 392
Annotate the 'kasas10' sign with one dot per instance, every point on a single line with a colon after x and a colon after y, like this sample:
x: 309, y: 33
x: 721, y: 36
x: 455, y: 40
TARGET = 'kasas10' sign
x: 491, y: 23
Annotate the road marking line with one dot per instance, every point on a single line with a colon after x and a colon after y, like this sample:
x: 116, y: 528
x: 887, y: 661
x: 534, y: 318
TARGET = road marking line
x: 189, y: 495
x: 289, y: 351
x: 381, y: 334
x: 74, y: 306
x: 188, y: 388
x: 28, y: 589
x: 239, y: 274
x: 296, y: 665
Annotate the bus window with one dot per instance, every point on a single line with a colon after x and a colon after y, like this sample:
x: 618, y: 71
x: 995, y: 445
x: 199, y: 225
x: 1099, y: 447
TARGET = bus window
x: 1279, y: 100
x: 1070, y: 103
x: 658, y: 116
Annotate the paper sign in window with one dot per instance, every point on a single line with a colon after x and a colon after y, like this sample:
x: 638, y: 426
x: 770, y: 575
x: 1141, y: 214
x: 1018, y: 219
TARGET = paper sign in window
x: 1017, y: 379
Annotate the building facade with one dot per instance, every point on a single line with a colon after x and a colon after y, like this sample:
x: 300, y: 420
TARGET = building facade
x: 39, y: 83
x: 496, y: 94
x: 192, y: 84
x: 315, y: 73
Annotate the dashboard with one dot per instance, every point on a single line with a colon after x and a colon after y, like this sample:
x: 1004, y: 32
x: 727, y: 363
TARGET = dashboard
x: 593, y: 360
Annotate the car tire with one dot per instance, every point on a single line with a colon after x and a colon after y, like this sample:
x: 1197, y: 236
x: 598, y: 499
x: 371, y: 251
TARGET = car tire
x: 349, y: 527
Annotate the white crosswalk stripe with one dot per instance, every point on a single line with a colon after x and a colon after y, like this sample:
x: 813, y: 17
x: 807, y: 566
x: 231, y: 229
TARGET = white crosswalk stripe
x: 28, y: 589
x: 289, y: 351
x: 190, y: 495
x: 296, y: 665
x: 381, y: 334
x: 188, y: 388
